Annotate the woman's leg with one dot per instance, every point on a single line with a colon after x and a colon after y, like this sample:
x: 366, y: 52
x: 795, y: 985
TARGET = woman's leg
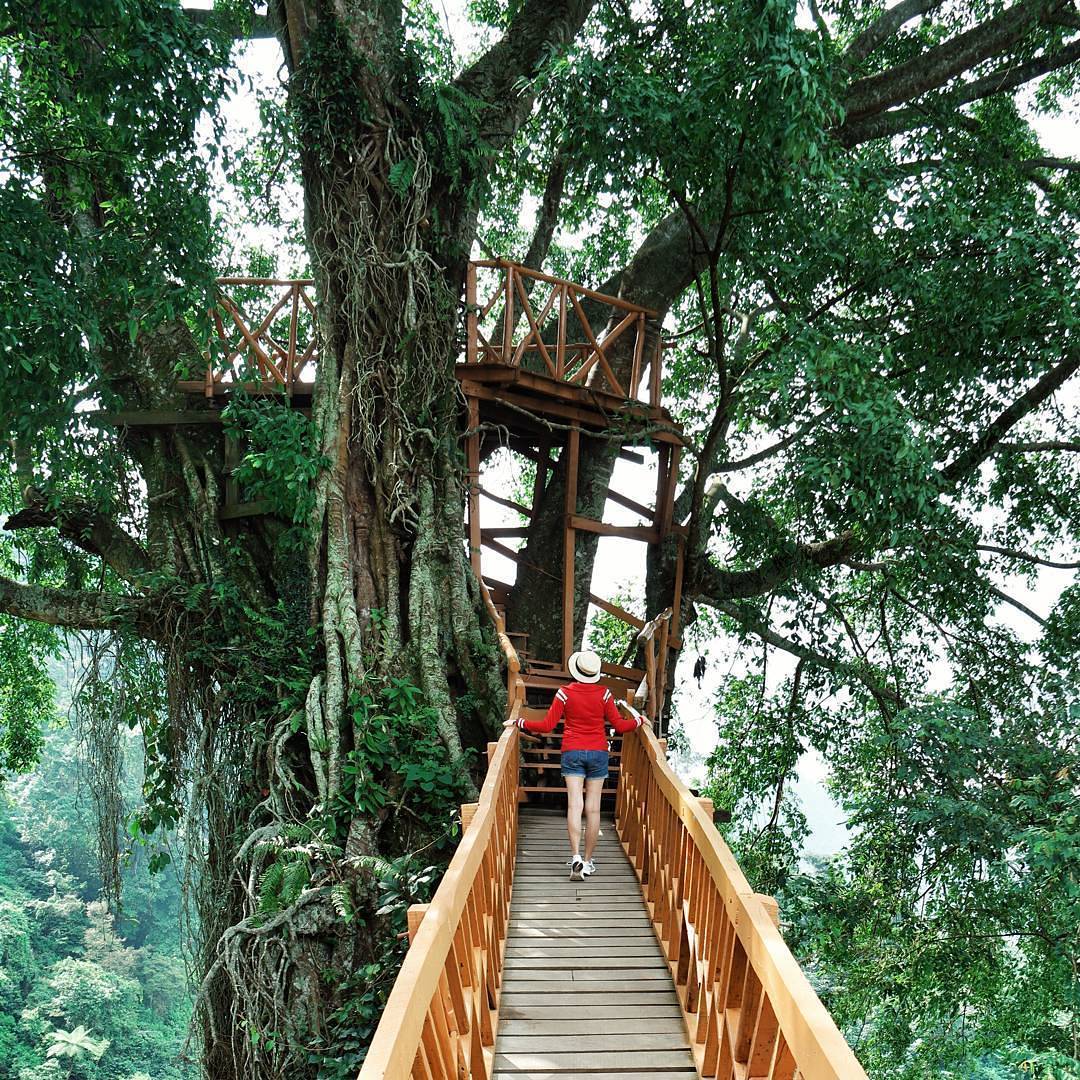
x: 592, y: 815
x: 574, y: 785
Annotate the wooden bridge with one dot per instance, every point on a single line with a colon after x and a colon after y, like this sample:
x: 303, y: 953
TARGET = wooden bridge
x: 665, y: 963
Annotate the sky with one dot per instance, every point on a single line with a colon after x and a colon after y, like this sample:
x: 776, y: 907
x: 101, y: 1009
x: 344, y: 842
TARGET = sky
x: 620, y: 566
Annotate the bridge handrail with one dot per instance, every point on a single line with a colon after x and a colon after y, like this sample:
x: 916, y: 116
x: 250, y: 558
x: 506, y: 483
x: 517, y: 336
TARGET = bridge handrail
x: 441, y: 1016
x: 744, y: 996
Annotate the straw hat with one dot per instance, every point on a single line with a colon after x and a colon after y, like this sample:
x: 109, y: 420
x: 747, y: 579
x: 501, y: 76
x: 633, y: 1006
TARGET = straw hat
x: 584, y: 666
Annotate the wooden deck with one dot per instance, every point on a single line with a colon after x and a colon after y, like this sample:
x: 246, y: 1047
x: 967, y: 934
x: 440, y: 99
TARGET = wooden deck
x: 586, y: 989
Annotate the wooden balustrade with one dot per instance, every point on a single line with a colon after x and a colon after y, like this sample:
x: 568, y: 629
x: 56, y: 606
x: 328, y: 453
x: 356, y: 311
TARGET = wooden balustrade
x: 266, y: 332
x: 749, y: 1010
x: 440, y: 1020
x: 515, y: 684
x: 266, y: 335
x: 492, y: 335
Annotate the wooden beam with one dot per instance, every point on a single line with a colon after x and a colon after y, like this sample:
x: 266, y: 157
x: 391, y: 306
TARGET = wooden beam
x: 618, y: 612
x: 630, y: 504
x: 509, y: 503
x: 156, y: 417
x: 647, y: 533
x: 505, y: 530
x: 502, y: 549
x: 472, y: 461
x: 265, y: 386
x: 573, y: 446
x: 470, y: 318
x: 666, y: 507
x: 546, y: 396
x: 243, y: 510
x: 264, y: 281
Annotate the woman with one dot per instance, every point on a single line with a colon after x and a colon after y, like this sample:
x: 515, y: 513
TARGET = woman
x: 586, y: 708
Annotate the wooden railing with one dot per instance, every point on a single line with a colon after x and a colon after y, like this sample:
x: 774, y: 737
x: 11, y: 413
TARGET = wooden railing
x: 440, y: 1020
x: 266, y: 335
x: 266, y: 332
x: 556, y: 333
x: 749, y: 1010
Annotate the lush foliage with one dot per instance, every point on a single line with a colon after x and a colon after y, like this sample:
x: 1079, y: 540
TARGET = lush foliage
x: 84, y: 994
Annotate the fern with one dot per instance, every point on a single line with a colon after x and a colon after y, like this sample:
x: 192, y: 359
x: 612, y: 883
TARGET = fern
x: 294, y: 880
x: 341, y: 898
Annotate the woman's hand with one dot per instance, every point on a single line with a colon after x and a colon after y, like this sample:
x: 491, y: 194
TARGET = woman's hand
x: 512, y: 722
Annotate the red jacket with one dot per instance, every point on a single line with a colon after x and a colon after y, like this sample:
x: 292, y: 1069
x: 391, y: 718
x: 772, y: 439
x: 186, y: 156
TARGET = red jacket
x: 584, y: 707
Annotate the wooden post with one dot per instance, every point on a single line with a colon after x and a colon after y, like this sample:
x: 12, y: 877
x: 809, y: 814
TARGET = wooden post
x: 661, y: 674
x: 508, y: 317
x: 573, y: 440
x: 468, y: 812
x: 415, y: 915
x: 654, y: 374
x: 639, y: 346
x: 290, y: 369
x: 470, y: 317
x: 770, y: 904
x: 707, y: 806
x: 493, y: 746
x: 472, y: 456
x: 560, y: 341
x: 650, y: 674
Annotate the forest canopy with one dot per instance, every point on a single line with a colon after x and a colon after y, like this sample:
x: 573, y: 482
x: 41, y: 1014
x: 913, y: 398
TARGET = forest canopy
x: 864, y: 266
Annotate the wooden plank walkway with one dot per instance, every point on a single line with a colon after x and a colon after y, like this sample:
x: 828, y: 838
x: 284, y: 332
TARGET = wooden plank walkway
x: 587, y: 993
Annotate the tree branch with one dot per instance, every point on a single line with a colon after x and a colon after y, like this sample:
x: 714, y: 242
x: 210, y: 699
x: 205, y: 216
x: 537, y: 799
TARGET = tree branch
x: 716, y: 586
x: 87, y: 529
x: 1037, y: 447
x: 548, y: 217
x: 1024, y: 556
x: 968, y: 461
x: 1011, y: 76
x: 756, y: 626
x: 937, y: 66
x: 539, y: 28
x: 74, y: 609
x: 260, y: 25
x: 776, y: 447
x: 887, y: 24
x: 1016, y: 604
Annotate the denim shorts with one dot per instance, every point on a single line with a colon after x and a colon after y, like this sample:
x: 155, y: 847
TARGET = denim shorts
x: 592, y: 764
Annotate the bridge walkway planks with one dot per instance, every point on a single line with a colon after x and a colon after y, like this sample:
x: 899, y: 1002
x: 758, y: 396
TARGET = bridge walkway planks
x: 587, y: 994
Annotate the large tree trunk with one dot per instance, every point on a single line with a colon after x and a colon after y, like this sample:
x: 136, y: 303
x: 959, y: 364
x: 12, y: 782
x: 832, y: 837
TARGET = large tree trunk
x: 392, y: 598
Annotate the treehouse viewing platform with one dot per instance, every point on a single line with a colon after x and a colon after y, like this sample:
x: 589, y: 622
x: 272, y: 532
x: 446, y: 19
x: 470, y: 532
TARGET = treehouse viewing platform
x: 573, y: 353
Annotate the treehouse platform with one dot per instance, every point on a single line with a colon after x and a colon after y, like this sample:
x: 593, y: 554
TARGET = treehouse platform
x: 546, y: 363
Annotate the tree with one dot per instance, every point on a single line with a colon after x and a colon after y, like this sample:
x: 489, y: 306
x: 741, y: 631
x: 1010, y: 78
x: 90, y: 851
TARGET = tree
x: 866, y: 264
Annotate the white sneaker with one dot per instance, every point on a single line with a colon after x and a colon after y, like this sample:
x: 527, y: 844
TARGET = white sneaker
x: 577, y: 868
x: 588, y: 869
